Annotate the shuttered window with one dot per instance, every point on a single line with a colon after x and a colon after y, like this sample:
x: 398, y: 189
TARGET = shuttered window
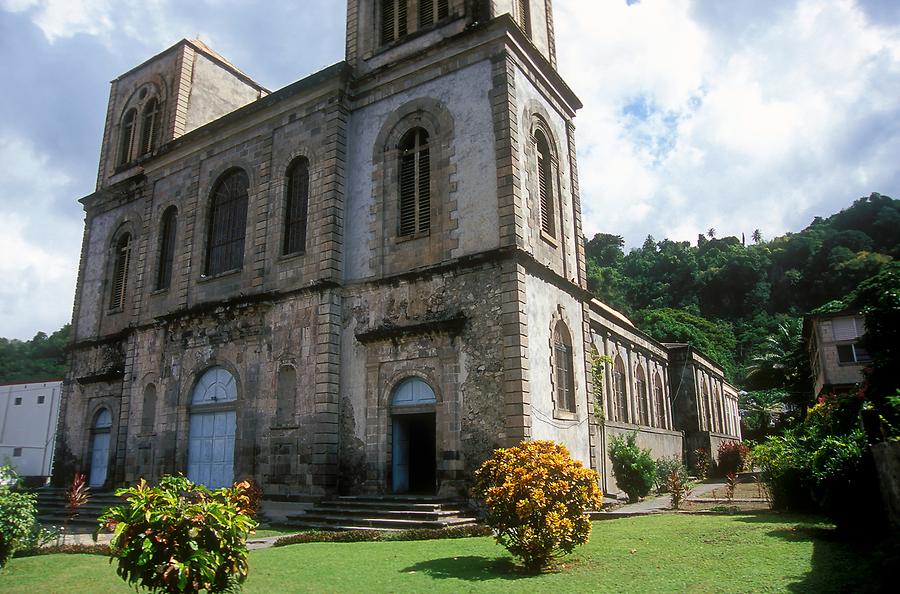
x: 545, y: 183
x: 167, y: 229
x: 415, y: 182
x: 149, y: 125
x: 227, y: 223
x: 564, y: 368
x: 126, y: 140
x: 296, y: 207
x: 523, y: 16
x: 122, y: 258
x: 660, y: 410
x: 428, y: 9
x: 643, y: 407
x: 619, y: 391
x: 393, y: 20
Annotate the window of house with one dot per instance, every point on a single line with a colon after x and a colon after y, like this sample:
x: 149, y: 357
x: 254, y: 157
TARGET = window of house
x: 167, y: 229
x: 17, y: 401
x: 122, y: 259
x: 545, y: 183
x: 415, y: 184
x: 429, y: 9
x: 17, y: 452
x: 563, y: 368
x: 522, y: 15
x: 149, y: 125
x: 852, y: 353
x: 296, y: 207
x: 126, y: 138
x: 659, y: 409
x: 619, y: 390
x: 641, y: 385
x: 393, y: 20
x: 41, y: 399
x: 846, y: 328
x: 227, y: 223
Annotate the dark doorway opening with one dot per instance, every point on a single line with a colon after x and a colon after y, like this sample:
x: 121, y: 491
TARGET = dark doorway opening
x: 414, y: 464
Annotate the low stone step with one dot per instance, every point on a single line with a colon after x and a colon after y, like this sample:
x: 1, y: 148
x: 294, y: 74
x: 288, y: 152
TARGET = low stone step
x: 376, y: 522
x: 387, y: 505
x: 424, y: 515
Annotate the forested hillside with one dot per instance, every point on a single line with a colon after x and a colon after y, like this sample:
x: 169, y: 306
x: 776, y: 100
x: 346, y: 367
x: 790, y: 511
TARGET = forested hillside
x: 41, y: 358
x: 741, y: 299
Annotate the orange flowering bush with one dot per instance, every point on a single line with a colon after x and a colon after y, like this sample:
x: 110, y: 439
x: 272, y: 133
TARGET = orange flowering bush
x: 535, y: 496
x: 181, y: 537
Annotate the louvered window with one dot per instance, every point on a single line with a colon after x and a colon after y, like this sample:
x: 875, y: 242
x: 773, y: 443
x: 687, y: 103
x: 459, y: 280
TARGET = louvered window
x: 660, y: 410
x: 643, y: 406
x: 619, y: 390
x: 149, y: 125
x: 126, y: 140
x: 167, y: 229
x: 120, y: 272
x: 562, y: 359
x: 227, y: 223
x: 429, y: 8
x: 415, y: 190
x: 296, y: 207
x: 393, y: 20
x: 523, y: 15
x: 545, y: 183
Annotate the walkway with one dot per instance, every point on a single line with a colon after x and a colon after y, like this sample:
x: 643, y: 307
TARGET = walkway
x: 660, y: 503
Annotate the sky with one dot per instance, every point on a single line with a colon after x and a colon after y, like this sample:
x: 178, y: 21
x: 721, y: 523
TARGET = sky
x: 728, y: 114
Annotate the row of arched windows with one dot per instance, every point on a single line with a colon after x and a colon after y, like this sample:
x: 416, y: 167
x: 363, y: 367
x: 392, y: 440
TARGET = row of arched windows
x: 139, y: 131
x: 646, y: 411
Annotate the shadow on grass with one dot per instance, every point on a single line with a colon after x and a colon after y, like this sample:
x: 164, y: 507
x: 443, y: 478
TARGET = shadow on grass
x: 470, y: 568
x: 841, y: 561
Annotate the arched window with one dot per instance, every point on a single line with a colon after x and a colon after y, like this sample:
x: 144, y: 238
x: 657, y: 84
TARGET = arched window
x: 393, y: 20
x: 641, y: 385
x: 563, y: 368
x: 296, y: 207
x: 148, y: 413
x: 122, y: 258
x: 227, y: 223
x: 621, y: 396
x: 126, y: 138
x: 167, y: 229
x: 428, y: 9
x: 285, y: 404
x: 415, y: 184
x: 704, y: 406
x: 100, y: 447
x: 149, y: 124
x: 545, y: 183
x: 523, y: 15
x: 660, y: 405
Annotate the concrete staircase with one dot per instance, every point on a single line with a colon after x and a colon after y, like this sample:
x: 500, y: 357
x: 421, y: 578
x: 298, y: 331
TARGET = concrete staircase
x: 388, y: 513
x: 51, y: 504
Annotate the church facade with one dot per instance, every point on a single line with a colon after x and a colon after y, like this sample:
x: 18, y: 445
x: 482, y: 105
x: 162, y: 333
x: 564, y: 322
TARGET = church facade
x: 363, y: 282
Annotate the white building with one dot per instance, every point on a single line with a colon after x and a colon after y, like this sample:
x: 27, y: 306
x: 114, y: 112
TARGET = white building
x: 28, y: 416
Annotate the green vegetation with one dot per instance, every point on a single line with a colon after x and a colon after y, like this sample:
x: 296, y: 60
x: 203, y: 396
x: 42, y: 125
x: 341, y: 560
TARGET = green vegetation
x: 18, y: 528
x: 634, y: 469
x: 666, y: 553
x: 41, y: 358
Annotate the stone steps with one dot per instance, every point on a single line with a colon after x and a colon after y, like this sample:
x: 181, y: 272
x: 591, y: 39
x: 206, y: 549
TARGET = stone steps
x: 383, y: 513
x: 51, y: 505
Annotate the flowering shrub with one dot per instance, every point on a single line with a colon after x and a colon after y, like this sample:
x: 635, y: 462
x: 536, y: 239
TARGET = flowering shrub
x: 679, y: 489
x: 535, y: 497
x: 701, y: 463
x: 730, y: 485
x: 181, y: 537
x: 17, y: 513
x: 734, y: 457
x: 633, y: 467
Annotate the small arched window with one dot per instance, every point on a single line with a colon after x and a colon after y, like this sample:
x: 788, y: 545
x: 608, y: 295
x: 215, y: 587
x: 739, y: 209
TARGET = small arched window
x: 149, y: 123
x: 704, y: 406
x: 523, y: 15
x: 621, y: 395
x: 126, y: 138
x: 545, y: 183
x: 393, y: 20
x: 227, y: 223
x: 415, y: 184
x: 285, y: 404
x: 643, y: 406
x: 660, y: 405
x: 563, y: 368
x: 103, y: 420
x: 148, y: 413
x: 167, y: 229
x: 296, y: 207
x: 121, y: 261
x: 429, y: 9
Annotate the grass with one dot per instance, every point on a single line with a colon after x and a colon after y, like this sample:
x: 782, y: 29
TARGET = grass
x: 762, y: 553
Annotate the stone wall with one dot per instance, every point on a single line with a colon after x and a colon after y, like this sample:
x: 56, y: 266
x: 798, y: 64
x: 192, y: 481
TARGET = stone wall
x: 662, y: 443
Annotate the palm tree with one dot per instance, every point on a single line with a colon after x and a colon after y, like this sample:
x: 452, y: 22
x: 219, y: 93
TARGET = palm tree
x: 782, y: 362
x: 711, y: 232
x: 757, y: 236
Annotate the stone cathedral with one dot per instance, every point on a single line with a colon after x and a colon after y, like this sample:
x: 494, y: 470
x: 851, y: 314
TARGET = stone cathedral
x: 362, y: 282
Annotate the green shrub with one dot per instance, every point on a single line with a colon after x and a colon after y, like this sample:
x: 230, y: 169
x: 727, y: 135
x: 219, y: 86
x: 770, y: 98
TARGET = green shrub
x: 734, y: 457
x: 664, y: 469
x: 535, y: 497
x: 375, y: 535
x: 17, y: 516
x: 701, y: 463
x: 633, y: 467
x: 181, y: 537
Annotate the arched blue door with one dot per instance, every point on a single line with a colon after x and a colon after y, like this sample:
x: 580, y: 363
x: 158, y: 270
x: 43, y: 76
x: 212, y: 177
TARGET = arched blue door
x: 413, y: 449
x: 100, y: 447
x: 212, y: 429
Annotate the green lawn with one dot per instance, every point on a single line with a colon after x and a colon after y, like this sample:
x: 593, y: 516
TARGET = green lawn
x: 667, y: 553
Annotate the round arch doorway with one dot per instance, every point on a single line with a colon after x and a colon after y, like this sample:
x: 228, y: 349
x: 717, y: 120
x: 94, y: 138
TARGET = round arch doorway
x: 413, y: 452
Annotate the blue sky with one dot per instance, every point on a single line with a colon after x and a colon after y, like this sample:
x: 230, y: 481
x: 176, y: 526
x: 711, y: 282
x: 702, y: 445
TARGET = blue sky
x: 736, y: 115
